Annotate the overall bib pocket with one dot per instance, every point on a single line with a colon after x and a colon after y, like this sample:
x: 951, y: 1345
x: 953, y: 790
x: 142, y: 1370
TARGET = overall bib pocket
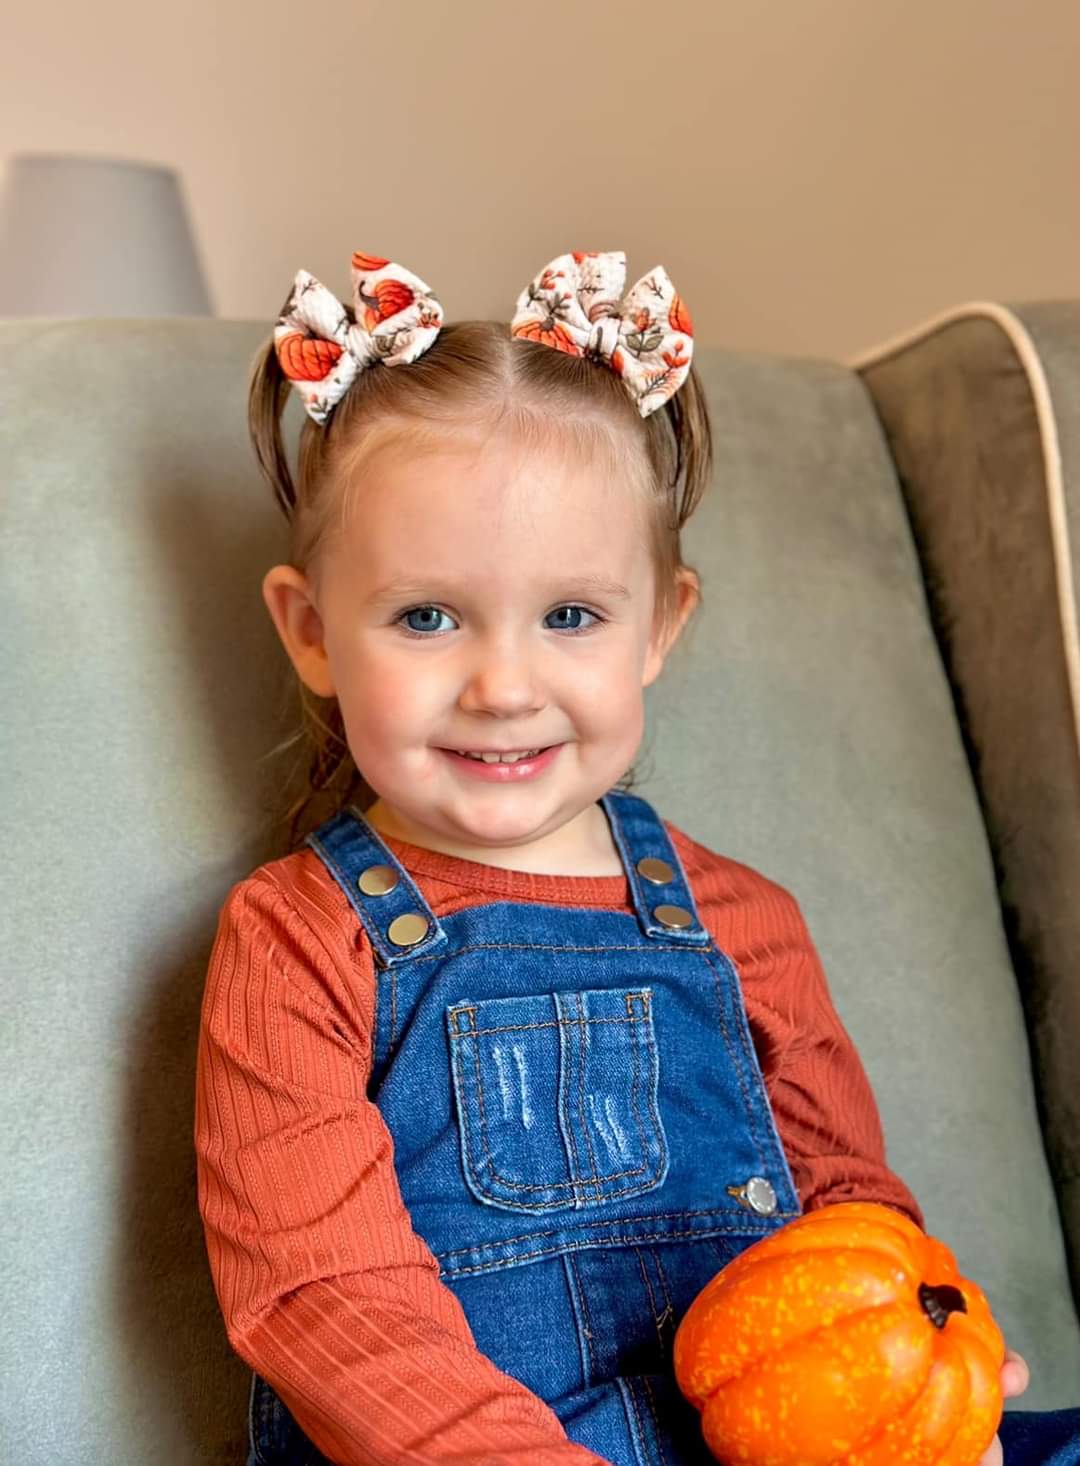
x: 556, y: 1098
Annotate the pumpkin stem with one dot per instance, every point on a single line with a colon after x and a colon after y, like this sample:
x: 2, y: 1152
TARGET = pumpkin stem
x: 940, y: 1301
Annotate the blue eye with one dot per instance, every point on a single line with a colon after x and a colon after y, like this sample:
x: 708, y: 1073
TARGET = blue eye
x: 577, y: 611
x: 428, y: 615
x: 430, y: 620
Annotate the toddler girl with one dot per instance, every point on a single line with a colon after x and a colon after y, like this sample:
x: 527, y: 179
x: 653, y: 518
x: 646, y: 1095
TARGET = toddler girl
x: 497, y: 1068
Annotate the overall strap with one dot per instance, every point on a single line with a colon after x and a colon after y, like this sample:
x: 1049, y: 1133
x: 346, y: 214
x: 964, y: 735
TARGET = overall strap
x: 399, y: 922
x: 661, y: 892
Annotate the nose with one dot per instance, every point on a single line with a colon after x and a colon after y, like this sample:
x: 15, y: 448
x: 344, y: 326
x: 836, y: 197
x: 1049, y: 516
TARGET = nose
x: 502, y: 682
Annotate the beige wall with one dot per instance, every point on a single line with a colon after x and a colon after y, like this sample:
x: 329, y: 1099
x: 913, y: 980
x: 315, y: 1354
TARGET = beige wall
x: 815, y: 174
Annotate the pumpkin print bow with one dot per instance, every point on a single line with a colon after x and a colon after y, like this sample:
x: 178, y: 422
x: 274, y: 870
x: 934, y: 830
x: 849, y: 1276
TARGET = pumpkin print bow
x: 576, y: 304
x: 321, y: 350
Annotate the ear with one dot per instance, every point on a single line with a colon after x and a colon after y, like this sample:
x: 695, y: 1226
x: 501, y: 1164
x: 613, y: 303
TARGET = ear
x: 289, y: 599
x: 688, y: 593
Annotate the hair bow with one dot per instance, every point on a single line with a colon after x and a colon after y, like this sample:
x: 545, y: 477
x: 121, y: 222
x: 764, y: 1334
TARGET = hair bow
x: 574, y: 304
x: 321, y: 350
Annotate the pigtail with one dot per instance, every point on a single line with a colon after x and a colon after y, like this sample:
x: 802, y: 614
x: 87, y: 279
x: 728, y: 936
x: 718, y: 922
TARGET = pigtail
x: 268, y: 393
x: 322, y: 766
x: 688, y: 416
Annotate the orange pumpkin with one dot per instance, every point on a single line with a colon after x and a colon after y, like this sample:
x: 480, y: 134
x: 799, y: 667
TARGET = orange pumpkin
x: 847, y: 1336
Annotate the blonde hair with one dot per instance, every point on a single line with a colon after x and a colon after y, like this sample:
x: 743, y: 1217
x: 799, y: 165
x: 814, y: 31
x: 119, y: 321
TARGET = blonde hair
x: 474, y: 376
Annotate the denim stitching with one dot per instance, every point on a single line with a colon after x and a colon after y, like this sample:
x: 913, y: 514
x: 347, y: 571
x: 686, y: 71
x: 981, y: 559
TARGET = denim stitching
x: 748, y: 1061
x: 545, y: 1023
x: 652, y: 1296
x: 657, y: 1124
x: 637, y: 888
x: 489, y: 1163
x: 579, y: 1181
x: 590, y: 1332
x: 737, y: 1058
x: 489, y: 1159
x: 642, y: 913
x: 581, y: 1101
x: 549, y: 947
x: 656, y: 1421
x: 634, y: 1094
x: 668, y: 1309
x: 393, y: 1005
x: 566, y: 1128
x: 672, y: 1216
x: 338, y: 862
x: 629, y: 1383
x: 571, y: 1246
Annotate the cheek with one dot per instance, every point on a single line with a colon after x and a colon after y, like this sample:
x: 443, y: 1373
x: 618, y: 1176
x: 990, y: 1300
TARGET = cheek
x: 383, y: 699
x: 608, y: 692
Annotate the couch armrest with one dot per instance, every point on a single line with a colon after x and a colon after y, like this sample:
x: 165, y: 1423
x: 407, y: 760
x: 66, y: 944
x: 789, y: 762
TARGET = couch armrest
x: 981, y: 409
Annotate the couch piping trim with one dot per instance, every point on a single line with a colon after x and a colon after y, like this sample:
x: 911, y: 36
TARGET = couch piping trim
x: 1053, y: 474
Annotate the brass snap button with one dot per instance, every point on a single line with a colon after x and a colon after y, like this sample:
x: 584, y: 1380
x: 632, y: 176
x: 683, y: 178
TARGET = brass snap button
x: 676, y: 917
x: 407, y: 930
x: 377, y: 880
x: 656, y: 871
x: 758, y: 1194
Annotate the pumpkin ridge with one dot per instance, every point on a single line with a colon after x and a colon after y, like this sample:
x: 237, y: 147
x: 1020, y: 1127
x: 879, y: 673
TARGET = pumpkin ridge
x: 777, y: 1351
x: 753, y: 1264
x: 822, y: 1328
x: 896, y: 1224
x: 751, y: 1288
x: 770, y: 1368
x: 896, y: 1425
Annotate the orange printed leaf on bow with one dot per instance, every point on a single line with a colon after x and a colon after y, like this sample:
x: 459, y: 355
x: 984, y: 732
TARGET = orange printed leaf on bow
x: 321, y: 350
x: 575, y: 304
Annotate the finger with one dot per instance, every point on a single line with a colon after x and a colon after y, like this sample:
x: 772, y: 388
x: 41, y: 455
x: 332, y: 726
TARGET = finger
x: 1015, y: 1377
x: 995, y: 1454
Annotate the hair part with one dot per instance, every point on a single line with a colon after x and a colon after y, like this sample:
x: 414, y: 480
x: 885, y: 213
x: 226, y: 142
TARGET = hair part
x: 474, y: 380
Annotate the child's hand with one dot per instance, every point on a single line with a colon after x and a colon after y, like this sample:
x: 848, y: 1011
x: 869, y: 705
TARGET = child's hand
x: 1015, y: 1376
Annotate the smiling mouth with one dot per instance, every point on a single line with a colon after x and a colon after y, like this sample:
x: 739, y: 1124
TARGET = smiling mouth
x: 510, y: 756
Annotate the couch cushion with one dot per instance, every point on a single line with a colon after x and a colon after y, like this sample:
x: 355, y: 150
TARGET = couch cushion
x: 805, y: 727
x: 981, y: 408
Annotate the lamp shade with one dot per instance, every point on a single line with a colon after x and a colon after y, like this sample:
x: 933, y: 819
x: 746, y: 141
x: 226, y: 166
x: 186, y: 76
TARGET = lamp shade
x: 84, y: 236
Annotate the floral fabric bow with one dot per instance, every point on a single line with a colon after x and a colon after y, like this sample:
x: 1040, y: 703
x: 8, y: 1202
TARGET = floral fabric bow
x: 321, y: 350
x: 575, y: 304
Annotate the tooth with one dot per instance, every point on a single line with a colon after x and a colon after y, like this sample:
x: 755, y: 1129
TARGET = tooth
x: 495, y: 758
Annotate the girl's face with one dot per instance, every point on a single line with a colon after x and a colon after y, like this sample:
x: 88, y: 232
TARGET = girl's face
x: 483, y: 600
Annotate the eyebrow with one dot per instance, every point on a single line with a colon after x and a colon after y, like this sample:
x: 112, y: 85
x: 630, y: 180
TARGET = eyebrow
x: 407, y: 586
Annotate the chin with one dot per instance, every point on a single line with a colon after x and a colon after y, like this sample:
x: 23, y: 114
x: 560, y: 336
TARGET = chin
x: 501, y: 829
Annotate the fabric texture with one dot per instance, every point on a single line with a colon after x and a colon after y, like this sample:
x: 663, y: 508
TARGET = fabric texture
x: 983, y: 423
x: 352, y: 1320
x: 575, y: 304
x: 321, y: 351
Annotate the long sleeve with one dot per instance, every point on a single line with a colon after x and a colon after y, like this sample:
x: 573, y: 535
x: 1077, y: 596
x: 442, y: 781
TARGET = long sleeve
x: 820, y: 1092
x: 324, y: 1287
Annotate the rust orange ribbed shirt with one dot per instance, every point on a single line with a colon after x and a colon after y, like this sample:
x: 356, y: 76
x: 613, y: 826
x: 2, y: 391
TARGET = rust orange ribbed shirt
x: 325, y: 1289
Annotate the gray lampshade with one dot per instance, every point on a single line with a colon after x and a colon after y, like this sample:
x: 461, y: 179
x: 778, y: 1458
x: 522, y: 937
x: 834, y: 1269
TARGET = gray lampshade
x: 83, y: 236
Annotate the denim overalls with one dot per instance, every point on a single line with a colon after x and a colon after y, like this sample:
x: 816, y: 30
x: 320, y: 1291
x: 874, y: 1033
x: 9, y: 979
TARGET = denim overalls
x: 581, y: 1130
